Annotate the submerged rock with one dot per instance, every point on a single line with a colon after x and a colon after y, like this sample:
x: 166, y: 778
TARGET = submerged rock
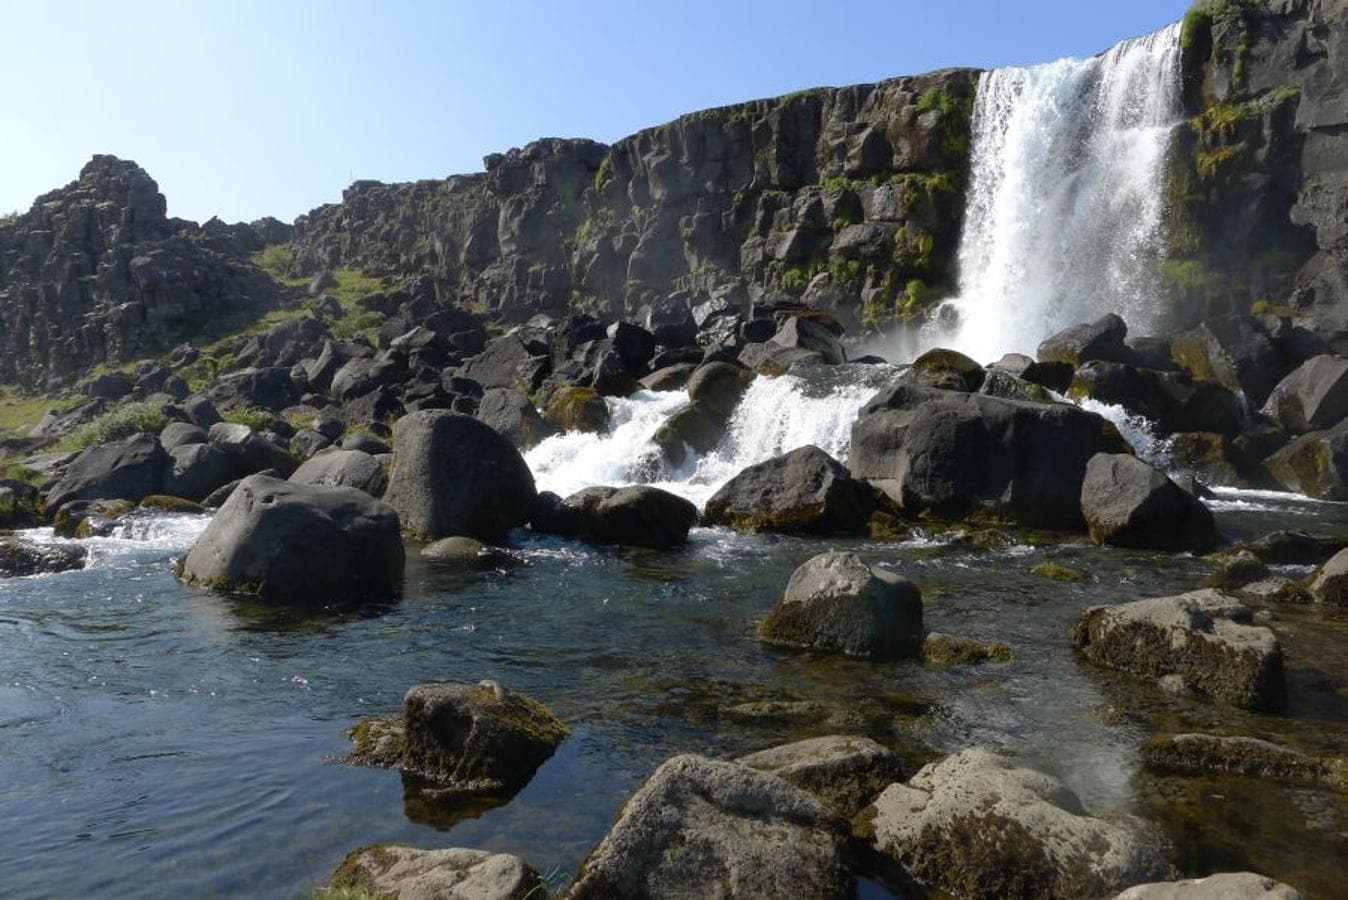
x: 975, y: 825
x: 950, y: 650
x: 19, y: 559
x: 294, y: 543
x: 453, y: 475
x: 1213, y: 754
x: 466, y: 553
x: 407, y: 873
x: 1128, y: 503
x: 836, y: 603
x: 1222, y: 886
x: 1200, y: 640
x: 634, y: 516
x: 702, y: 828
x: 805, y: 491
x: 468, y: 738
x: 844, y: 771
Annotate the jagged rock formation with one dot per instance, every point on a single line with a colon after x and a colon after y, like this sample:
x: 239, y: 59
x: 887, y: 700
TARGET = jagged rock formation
x: 1260, y: 175
x: 96, y: 271
x: 850, y: 196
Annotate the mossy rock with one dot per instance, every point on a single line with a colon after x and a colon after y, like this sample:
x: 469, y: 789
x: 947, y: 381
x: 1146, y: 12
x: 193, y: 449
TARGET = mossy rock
x: 1198, y: 754
x: 883, y: 526
x: 950, y: 650
x: 575, y: 408
x: 1058, y: 572
x: 165, y: 503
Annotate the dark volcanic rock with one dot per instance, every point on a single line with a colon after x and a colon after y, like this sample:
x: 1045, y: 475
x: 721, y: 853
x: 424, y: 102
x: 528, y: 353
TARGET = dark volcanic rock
x: 1102, y: 339
x: 636, y: 516
x: 128, y: 469
x: 292, y: 543
x: 454, y: 476
x: 511, y: 413
x: 805, y: 491
x: 1313, y: 397
x: 1314, y: 464
x: 343, y: 468
x: 1128, y: 503
x: 18, y: 558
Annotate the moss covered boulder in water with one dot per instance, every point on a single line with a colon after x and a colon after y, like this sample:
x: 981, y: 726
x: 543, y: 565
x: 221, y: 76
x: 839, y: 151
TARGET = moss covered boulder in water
x: 472, y: 738
x: 1198, y: 754
x: 836, y: 603
x: 407, y: 873
x: 977, y: 826
x: 1200, y: 642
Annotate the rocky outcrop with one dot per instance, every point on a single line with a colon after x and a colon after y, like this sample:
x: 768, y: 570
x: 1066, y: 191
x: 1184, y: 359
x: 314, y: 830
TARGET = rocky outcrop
x: 849, y: 198
x: 96, y: 271
x: 836, y: 603
x: 976, y: 825
x: 301, y: 544
x: 1201, y: 642
x: 703, y: 828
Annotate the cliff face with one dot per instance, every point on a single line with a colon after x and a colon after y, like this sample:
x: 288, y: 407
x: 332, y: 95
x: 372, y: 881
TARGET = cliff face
x: 851, y: 197
x: 1259, y: 205
x: 96, y: 271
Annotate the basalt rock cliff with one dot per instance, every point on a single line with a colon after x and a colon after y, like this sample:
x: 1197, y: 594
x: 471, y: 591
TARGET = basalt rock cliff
x: 97, y: 272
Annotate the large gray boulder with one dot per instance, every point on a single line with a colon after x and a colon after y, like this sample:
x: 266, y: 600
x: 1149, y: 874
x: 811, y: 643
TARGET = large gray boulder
x: 1222, y: 886
x: 1314, y: 397
x: 714, y: 390
x: 1128, y: 503
x: 194, y: 471
x: 845, y: 771
x: 976, y: 825
x: 704, y: 828
x: 129, y: 469
x: 1170, y: 401
x: 453, y: 475
x: 511, y: 413
x: 957, y: 455
x: 836, y: 603
x: 1235, y: 351
x: 1329, y: 584
x: 343, y: 468
x: 407, y: 873
x: 805, y: 491
x: 251, y: 451
x: 1102, y: 339
x: 634, y: 516
x: 1201, y: 642
x: 295, y: 543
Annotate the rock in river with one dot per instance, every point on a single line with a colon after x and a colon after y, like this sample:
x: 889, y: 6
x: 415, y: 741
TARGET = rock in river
x: 1200, y: 641
x: 805, y: 491
x: 1128, y: 503
x: 295, y: 543
x: 455, y: 873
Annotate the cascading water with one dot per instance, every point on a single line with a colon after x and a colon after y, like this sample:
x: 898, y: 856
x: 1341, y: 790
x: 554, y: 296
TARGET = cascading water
x: 775, y: 416
x: 1063, y: 220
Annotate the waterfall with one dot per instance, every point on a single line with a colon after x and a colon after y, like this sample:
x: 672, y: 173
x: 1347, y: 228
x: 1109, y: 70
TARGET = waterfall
x: 776, y: 415
x: 1063, y: 219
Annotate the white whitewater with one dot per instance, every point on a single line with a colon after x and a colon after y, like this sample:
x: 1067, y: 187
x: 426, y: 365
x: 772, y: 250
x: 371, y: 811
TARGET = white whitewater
x: 1063, y: 220
x: 776, y: 415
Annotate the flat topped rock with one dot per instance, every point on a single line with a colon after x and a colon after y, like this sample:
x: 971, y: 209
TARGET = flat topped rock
x: 407, y: 873
x: 1201, y: 639
x: 845, y: 771
x: 976, y: 825
x: 1223, y: 886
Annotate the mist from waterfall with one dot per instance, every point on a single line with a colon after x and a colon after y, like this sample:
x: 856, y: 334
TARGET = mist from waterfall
x: 1064, y: 215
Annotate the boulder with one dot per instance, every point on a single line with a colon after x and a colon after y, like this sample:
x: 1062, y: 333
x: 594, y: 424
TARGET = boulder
x: 836, y: 603
x: 635, y: 516
x: 1314, y: 397
x: 573, y: 408
x: 1222, y: 886
x: 265, y: 388
x: 307, y: 442
x: 453, y: 475
x: 1200, y: 642
x: 703, y: 828
x: 201, y: 411
x: 956, y: 455
x: 406, y: 873
x: 976, y: 825
x: 1101, y: 339
x: 251, y: 451
x: 805, y: 491
x: 19, y: 558
x: 803, y: 333
x: 343, y: 468
x: 668, y: 378
x: 366, y: 443
x: 1234, y: 351
x: 1314, y: 464
x: 1171, y: 401
x: 176, y: 434
x: 845, y: 771
x: 194, y: 471
x: 717, y: 387
x: 953, y: 650
x: 1329, y: 584
x: 947, y: 369
x: 1128, y: 503
x: 1208, y: 754
x: 297, y: 543
x: 467, y: 738
x: 511, y: 413
x: 1294, y: 548
x: 20, y: 504
x: 128, y: 469
x: 465, y: 553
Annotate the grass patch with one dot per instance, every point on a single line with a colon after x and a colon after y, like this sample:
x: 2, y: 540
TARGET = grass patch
x: 19, y: 412
x: 254, y: 418
x: 114, y: 425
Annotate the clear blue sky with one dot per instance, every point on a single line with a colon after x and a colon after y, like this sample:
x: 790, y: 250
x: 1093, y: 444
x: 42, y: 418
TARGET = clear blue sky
x: 244, y: 108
